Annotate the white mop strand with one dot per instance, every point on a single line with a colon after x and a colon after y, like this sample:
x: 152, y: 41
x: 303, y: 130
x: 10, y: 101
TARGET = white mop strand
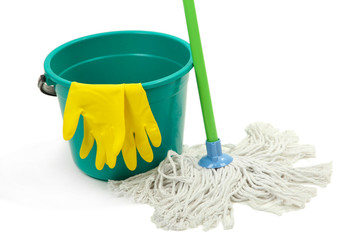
x: 184, y: 195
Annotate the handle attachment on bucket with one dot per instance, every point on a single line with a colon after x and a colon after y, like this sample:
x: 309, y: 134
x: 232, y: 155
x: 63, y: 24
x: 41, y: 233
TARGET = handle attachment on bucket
x: 44, y: 88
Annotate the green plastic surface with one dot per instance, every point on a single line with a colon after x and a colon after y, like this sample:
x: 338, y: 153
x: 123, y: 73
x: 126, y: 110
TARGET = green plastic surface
x: 200, y: 69
x: 160, y: 62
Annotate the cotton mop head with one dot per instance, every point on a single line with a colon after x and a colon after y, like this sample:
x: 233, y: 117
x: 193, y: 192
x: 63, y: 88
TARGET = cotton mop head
x: 185, y: 195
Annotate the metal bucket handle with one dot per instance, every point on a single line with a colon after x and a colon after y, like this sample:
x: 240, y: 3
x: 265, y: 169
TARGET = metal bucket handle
x: 44, y: 88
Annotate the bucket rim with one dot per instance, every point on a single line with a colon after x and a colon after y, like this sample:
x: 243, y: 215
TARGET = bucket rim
x: 51, y: 75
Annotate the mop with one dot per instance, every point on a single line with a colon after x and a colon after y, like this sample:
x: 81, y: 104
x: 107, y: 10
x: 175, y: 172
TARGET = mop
x: 200, y: 186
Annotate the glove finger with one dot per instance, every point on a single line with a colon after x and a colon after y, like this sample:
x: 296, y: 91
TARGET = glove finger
x: 107, y: 138
x: 71, y: 117
x: 88, y: 141
x: 101, y: 155
x: 111, y: 158
x: 151, y: 126
x: 116, y: 134
x: 154, y: 134
x: 143, y: 146
x: 129, y: 152
x: 118, y: 140
x: 114, y: 141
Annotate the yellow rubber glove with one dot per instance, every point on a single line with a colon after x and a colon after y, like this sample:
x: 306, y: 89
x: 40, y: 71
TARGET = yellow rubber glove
x: 140, y: 123
x: 102, y: 108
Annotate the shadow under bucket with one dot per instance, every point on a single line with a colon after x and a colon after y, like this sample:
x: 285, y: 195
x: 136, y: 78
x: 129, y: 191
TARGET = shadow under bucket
x: 160, y: 62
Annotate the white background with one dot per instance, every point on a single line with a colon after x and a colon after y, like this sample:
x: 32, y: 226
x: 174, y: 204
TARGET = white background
x: 283, y: 62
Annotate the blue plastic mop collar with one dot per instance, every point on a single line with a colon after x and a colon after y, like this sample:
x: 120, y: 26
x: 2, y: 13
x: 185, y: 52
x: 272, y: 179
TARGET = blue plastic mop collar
x: 215, y: 158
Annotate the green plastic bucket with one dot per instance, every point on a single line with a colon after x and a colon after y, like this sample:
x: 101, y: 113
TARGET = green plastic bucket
x: 159, y: 61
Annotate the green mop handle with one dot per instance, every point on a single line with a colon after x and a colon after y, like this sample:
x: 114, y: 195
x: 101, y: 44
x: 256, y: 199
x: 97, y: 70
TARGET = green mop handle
x: 201, y: 72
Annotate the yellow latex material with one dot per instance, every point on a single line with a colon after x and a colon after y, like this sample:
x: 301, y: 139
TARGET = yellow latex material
x: 140, y: 123
x: 116, y: 117
x: 102, y: 108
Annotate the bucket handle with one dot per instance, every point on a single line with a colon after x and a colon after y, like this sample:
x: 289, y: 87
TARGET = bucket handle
x: 44, y: 88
